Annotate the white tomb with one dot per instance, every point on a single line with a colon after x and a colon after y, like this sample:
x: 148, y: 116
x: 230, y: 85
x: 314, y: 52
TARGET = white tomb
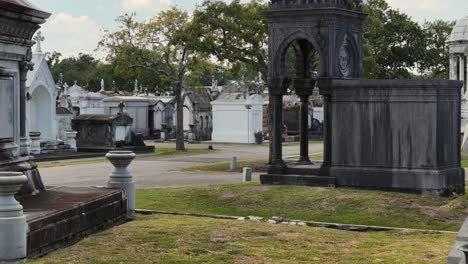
x: 85, y: 102
x: 41, y: 96
x: 137, y: 108
x: 458, y: 48
x: 237, y: 115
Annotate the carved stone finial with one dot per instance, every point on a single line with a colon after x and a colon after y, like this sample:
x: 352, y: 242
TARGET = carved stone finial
x: 39, y: 38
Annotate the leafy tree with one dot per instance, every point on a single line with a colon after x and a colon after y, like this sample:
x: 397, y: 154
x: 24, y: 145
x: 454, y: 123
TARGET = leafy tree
x: 162, y: 46
x: 395, y: 43
x: 436, y: 61
x: 53, y: 58
x: 235, y: 33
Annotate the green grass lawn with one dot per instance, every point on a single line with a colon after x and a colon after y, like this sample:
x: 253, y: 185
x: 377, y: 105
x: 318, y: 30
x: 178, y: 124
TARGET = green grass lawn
x: 177, y: 239
x: 256, y: 164
x: 345, y: 206
x: 159, y: 152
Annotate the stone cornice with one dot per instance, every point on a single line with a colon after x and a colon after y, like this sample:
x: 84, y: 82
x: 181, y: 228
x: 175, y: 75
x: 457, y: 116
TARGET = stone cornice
x: 19, y: 20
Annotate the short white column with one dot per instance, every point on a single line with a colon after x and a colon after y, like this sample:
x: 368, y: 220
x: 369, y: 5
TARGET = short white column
x: 13, y: 227
x: 121, y: 178
x: 71, y: 139
x: 453, y: 62
x: 462, y: 72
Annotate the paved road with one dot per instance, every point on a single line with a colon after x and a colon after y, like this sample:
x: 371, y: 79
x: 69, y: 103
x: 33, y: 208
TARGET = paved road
x: 164, y: 171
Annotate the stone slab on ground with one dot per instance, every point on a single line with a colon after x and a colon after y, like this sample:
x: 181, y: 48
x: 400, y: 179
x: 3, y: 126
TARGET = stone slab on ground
x: 456, y: 256
x: 61, y: 216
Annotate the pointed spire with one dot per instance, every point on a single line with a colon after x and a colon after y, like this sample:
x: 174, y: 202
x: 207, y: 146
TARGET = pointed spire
x: 103, y: 87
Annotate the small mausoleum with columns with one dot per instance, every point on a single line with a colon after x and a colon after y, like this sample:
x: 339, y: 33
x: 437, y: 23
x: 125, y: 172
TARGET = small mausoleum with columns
x: 401, y: 135
x: 458, y: 48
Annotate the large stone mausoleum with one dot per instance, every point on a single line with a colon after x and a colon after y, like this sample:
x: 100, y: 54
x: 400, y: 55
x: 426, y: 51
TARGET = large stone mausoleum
x: 53, y: 217
x: 399, y: 135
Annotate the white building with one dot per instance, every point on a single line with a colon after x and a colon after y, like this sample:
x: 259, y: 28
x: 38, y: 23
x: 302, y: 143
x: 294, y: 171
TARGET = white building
x: 237, y: 115
x: 41, y: 96
x: 85, y: 102
x: 137, y: 108
x: 458, y: 48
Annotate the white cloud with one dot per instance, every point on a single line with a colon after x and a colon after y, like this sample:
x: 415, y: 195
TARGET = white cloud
x: 425, y: 5
x: 71, y: 35
x: 133, y: 5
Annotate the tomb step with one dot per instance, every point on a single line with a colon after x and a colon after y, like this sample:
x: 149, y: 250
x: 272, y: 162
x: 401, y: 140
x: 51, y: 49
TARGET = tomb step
x: 306, y: 170
x: 295, y: 179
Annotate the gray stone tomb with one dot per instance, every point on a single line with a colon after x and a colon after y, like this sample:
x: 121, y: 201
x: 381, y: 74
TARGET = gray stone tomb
x: 399, y: 135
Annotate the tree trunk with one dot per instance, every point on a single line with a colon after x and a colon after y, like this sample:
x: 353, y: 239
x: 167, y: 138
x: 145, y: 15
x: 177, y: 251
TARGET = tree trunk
x: 180, y: 144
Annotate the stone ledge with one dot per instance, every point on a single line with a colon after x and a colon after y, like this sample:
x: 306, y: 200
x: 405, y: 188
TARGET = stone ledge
x: 62, y: 216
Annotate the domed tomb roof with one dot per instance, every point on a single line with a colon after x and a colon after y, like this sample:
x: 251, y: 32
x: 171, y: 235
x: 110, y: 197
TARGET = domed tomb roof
x: 460, y: 31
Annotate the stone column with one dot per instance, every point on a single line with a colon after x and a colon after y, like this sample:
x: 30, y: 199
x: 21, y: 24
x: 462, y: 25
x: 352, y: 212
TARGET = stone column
x: 304, y: 125
x: 304, y: 89
x: 276, y: 136
x: 453, y: 62
x: 327, y: 135
x: 462, y: 72
x: 277, y: 88
x: 25, y: 149
x: 13, y: 228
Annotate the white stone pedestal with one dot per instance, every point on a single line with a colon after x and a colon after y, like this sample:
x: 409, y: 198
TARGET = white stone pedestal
x: 13, y: 229
x: 121, y: 178
x: 71, y: 139
x: 35, y: 142
x: 25, y: 146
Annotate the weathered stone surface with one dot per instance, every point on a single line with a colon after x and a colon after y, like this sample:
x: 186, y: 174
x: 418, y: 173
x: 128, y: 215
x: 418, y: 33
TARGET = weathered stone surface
x: 99, y: 130
x: 398, y: 134
x: 61, y: 216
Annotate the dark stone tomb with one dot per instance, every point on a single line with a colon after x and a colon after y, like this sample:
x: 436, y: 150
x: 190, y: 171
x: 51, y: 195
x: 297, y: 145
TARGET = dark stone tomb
x: 401, y: 135
x: 104, y: 133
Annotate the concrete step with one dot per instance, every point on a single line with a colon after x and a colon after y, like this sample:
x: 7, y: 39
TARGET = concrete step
x: 295, y: 179
x: 306, y: 170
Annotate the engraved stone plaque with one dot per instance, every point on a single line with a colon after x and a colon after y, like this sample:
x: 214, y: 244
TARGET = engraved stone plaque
x: 6, y: 108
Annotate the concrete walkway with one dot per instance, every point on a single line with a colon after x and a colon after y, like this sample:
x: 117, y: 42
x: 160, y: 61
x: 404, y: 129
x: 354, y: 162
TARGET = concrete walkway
x: 166, y: 171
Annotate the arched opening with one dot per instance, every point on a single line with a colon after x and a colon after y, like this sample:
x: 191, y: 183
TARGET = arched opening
x: 41, y: 113
x: 299, y: 63
x: 188, y: 118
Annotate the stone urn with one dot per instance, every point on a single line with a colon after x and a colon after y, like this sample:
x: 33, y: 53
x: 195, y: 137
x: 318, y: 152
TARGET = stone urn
x: 120, y: 178
x: 71, y: 139
x: 35, y: 142
x: 12, y: 221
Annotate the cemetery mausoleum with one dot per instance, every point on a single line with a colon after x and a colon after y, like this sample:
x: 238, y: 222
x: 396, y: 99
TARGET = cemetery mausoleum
x: 401, y: 135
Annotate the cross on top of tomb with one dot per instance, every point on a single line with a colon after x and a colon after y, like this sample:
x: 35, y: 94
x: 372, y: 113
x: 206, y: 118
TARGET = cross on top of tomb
x: 39, y: 38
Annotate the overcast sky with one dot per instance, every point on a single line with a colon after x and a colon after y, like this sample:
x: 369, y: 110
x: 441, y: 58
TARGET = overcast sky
x: 76, y: 25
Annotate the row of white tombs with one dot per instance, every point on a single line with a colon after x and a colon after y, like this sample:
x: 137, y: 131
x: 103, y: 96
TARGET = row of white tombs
x: 62, y: 117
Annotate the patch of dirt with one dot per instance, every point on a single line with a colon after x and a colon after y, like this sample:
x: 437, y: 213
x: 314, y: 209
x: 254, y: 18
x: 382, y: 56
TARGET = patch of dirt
x: 223, y: 236
x: 333, y: 242
x: 230, y: 195
x: 290, y: 234
x: 245, y: 260
x: 257, y: 167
